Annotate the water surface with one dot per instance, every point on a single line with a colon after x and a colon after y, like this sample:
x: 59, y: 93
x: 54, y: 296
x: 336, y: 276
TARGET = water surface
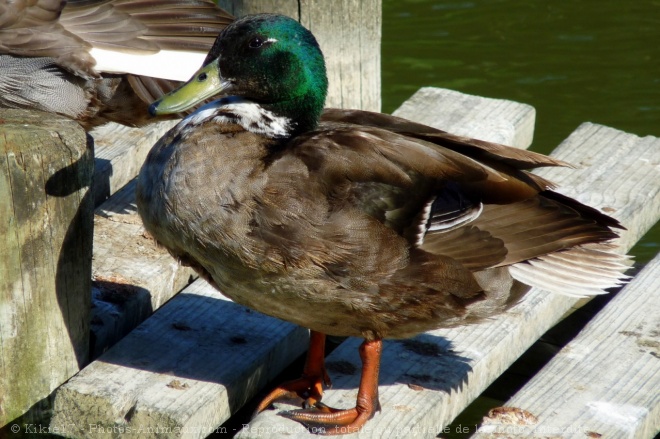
x: 574, y: 61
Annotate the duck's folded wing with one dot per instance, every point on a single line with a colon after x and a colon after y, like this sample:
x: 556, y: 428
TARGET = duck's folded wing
x: 526, y: 229
x: 186, y: 25
x: 146, y: 25
x: 94, y: 36
x: 513, y: 161
x: 487, y: 152
x: 471, y: 201
x: 412, y: 186
x: 32, y: 29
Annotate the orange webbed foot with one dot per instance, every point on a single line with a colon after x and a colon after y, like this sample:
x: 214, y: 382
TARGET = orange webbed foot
x: 324, y: 420
x: 308, y: 389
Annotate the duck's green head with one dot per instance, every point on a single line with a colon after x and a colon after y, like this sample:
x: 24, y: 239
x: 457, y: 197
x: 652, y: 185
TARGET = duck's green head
x: 268, y: 59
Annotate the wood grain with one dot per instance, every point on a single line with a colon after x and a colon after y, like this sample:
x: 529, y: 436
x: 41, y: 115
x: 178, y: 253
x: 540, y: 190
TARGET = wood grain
x: 132, y: 276
x: 181, y: 373
x: 604, y: 382
x: 119, y: 152
x: 45, y: 257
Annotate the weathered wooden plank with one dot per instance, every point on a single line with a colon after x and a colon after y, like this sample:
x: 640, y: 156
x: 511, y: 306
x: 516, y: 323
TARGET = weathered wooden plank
x: 180, y: 373
x: 132, y: 277
x: 119, y: 152
x: 494, y: 120
x: 280, y: 336
x: 349, y: 33
x: 46, y: 169
x: 605, y: 382
x: 619, y: 174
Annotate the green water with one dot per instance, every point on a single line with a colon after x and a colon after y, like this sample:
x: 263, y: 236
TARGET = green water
x: 574, y: 61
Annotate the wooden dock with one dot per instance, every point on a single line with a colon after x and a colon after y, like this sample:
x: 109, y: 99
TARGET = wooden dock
x: 189, y: 367
x: 159, y: 353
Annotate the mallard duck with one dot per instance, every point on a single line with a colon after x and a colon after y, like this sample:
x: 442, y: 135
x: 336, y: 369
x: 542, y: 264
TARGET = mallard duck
x: 97, y: 60
x: 352, y: 223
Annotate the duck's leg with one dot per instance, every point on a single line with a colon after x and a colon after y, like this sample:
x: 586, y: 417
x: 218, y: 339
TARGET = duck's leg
x: 329, y: 421
x: 309, y: 387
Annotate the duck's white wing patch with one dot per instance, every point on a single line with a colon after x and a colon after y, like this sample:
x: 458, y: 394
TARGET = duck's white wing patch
x: 448, y: 210
x: 166, y: 64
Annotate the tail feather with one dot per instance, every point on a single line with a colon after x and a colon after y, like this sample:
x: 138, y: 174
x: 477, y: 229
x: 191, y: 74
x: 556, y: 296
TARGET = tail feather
x: 584, y: 270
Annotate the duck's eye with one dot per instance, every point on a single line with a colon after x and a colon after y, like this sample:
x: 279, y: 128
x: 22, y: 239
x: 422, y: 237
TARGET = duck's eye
x: 256, y: 42
x: 201, y: 76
